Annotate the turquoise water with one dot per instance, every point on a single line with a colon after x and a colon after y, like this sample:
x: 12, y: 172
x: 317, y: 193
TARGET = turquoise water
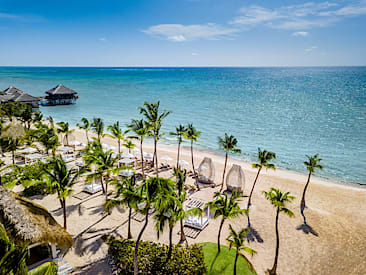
x: 291, y: 111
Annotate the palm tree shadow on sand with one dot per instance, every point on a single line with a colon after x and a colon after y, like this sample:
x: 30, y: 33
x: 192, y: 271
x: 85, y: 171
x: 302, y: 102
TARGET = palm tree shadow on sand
x: 306, y: 228
x: 253, y: 235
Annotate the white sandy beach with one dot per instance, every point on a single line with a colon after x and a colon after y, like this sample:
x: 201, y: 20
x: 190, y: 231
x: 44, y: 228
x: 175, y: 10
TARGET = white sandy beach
x: 336, y: 213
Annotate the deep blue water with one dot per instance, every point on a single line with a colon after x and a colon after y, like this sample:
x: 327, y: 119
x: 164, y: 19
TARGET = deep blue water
x: 291, y: 111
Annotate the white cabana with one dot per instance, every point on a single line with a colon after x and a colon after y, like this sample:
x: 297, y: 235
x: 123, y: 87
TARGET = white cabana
x: 235, y: 179
x: 33, y: 158
x: 197, y: 222
x: 92, y: 187
x: 126, y: 172
x: 148, y: 156
x: 206, y: 171
x: 27, y: 150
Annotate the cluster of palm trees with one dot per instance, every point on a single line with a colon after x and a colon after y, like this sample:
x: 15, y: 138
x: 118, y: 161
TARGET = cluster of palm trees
x: 160, y: 196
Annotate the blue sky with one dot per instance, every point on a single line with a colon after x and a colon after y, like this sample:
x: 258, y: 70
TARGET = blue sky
x: 182, y: 33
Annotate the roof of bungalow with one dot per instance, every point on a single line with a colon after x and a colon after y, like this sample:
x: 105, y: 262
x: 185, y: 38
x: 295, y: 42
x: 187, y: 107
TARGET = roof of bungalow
x: 28, y: 222
x: 60, y: 90
x: 12, y: 90
x: 14, y: 94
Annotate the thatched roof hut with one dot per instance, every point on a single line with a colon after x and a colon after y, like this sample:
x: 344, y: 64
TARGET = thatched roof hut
x: 14, y: 94
x: 15, y: 131
x: 60, y: 90
x: 27, y: 222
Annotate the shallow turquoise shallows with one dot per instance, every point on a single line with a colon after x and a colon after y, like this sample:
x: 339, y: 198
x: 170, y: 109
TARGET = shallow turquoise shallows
x: 291, y: 111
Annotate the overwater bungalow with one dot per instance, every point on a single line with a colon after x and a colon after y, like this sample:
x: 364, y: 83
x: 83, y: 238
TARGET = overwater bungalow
x: 13, y: 94
x: 59, y: 95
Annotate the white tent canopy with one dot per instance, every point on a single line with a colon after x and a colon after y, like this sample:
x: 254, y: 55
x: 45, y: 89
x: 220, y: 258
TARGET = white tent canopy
x: 235, y: 179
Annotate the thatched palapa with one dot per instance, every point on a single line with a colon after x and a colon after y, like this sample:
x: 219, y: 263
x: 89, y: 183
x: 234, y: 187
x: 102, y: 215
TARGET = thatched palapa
x: 28, y: 222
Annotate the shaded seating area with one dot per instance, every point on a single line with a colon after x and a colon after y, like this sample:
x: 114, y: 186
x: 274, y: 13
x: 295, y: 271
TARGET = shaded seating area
x: 235, y: 179
x: 206, y: 171
x: 197, y: 222
x: 93, y: 186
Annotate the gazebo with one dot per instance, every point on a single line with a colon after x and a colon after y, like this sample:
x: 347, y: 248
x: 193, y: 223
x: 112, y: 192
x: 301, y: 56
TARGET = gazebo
x: 235, y: 179
x: 59, y: 95
x: 31, y: 225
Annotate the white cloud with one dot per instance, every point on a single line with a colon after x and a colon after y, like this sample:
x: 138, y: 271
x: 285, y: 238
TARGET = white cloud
x: 9, y: 16
x: 311, y: 48
x: 181, y: 33
x: 300, y: 34
x: 102, y: 39
x: 194, y: 54
x: 295, y: 17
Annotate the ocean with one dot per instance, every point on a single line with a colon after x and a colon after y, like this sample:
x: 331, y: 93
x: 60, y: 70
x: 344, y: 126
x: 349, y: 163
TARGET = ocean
x: 291, y: 111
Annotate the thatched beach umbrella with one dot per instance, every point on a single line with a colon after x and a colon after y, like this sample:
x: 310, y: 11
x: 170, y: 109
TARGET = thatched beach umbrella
x: 27, y: 222
x: 14, y: 131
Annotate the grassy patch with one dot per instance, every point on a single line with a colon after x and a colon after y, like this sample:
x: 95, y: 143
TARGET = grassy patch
x: 223, y: 263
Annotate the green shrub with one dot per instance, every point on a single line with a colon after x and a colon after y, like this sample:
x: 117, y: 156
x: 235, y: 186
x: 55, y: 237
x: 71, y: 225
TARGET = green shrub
x: 36, y: 189
x: 153, y: 258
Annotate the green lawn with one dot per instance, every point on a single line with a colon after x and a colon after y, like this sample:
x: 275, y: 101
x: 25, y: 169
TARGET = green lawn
x: 223, y: 263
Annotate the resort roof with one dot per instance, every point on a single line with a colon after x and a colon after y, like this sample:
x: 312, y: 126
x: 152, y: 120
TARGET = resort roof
x: 12, y: 90
x: 14, y: 94
x: 28, y: 222
x: 60, y: 90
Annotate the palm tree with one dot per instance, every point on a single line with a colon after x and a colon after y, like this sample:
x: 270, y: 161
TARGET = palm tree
x: 237, y: 240
x: 104, y: 162
x: 47, y: 137
x: 129, y: 145
x: 225, y: 207
x: 154, y: 119
x: 25, y: 115
x: 263, y: 161
x: 192, y: 134
x: 181, y: 177
x: 98, y: 127
x: 311, y: 164
x: 138, y: 127
x: 85, y: 126
x: 61, y: 180
x: 116, y: 133
x: 10, y: 144
x: 126, y: 191
x: 149, y: 192
x: 37, y: 117
x: 65, y: 129
x: 179, y: 133
x: 228, y: 143
x: 279, y: 201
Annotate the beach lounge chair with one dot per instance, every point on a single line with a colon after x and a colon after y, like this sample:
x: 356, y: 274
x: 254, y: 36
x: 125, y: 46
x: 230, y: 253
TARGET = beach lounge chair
x: 206, y: 171
x: 235, y: 179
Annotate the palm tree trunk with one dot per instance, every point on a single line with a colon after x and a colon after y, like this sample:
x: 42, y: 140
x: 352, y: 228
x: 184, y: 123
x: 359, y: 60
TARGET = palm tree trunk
x: 13, y: 156
x: 155, y: 158
x: 236, y: 260
x: 194, y: 171
x: 142, y: 158
x: 218, y: 237
x: 87, y: 137
x: 64, y: 211
x: 274, y: 268
x: 136, y: 268
x: 182, y: 236
x: 129, y: 235
x: 101, y: 183
x: 106, y: 188
x: 251, y: 192
x: 170, y: 241
x: 178, y: 154
x: 119, y: 148
x: 303, y: 205
x: 223, y: 174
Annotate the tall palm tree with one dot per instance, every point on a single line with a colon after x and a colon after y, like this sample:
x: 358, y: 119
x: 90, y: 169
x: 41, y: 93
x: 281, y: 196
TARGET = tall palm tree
x: 104, y: 162
x: 61, y: 179
x: 225, y: 207
x: 192, y: 134
x: 279, y: 200
x: 84, y: 126
x: 263, y: 161
x: 138, y: 127
x: 10, y: 144
x: 237, y: 240
x: 149, y: 192
x: 116, y: 133
x: 98, y: 127
x: 64, y: 129
x: 25, y: 115
x: 154, y: 119
x: 311, y: 164
x: 229, y: 144
x: 47, y: 137
x: 181, y: 177
x: 126, y: 191
x: 179, y: 132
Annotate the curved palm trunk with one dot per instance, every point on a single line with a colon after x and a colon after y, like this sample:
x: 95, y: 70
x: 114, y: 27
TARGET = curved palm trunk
x: 274, y: 268
x: 106, y: 188
x: 251, y: 192
x: 64, y: 211
x: 182, y: 236
x: 101, y: 183
x: 236, y: 260
x: 87, y: 137
x: 218, y: 237
x: 223, y: 174
x: 178, y: 153
x: 142, y: 159
x: 129, y: 235
x: 119, y: 148
x: 135, y: 261
x: 302, y: 204
x: 170, y: 241
x: 194, y: 170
